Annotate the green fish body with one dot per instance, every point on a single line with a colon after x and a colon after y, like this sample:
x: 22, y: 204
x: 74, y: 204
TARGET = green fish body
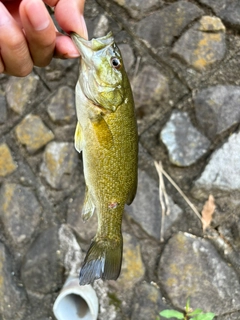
x: 106, y: 134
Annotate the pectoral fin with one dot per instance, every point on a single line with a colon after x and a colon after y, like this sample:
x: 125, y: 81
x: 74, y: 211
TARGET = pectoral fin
x: 103, y: 133
x: 78, y: 138
x: 88, y: 207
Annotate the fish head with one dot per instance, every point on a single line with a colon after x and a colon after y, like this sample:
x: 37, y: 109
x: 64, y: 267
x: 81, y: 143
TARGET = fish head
x: 102, y: 74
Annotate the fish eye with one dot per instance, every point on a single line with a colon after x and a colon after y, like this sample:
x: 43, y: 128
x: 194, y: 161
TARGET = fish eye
x: 115, y: 62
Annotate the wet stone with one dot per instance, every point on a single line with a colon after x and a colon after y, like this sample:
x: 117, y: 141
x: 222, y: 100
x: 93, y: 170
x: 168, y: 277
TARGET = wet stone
x: 133, y: 268
x: 42, y: 271
x: 217, y: 108
x: 223, y: 169
x: 3, y: 108
x: 192, y: 267
x: 12, y: 297
x: 146, y: 210
x: 20, y: 212
x: 138, y: 8
x: 184, y: 142
x: 20, y: 92
x: 203, y: 45
x: 228, y: 11
x: 7, y: 165
x: 147, y: 302
x: 61, y: 107
x: 160, y: 28
x: 32, y: 133
x: 59, y: 162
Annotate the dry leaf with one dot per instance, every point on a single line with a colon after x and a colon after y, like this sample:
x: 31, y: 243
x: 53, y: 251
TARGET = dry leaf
x: 207, y: 212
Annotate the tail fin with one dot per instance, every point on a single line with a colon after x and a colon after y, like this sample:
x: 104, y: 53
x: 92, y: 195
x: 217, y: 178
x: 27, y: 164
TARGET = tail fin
x: 103, y: 260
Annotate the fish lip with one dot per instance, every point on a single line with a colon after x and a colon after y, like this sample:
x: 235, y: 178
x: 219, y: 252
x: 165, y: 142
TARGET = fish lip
x: 95, y: 44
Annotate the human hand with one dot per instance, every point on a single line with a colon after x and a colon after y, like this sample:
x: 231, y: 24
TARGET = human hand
x: 28, y: 36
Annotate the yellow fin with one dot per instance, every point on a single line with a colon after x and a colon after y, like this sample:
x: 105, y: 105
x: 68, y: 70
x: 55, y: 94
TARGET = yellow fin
x: 103, y: 133
x: 88, y: 206
x: 78, y: 138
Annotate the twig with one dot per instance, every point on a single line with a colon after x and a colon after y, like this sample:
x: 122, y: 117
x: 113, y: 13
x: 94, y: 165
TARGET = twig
x: 163, y: 198
x: 161, y: 171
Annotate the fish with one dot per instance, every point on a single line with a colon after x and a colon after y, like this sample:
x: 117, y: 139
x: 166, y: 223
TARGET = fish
x: 106, y: 134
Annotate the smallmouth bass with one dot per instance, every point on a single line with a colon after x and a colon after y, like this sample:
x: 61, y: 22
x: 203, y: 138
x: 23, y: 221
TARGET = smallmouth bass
x: 106, y: 134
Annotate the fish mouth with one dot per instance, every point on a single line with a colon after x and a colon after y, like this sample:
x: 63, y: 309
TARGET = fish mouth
x: 86, y: 47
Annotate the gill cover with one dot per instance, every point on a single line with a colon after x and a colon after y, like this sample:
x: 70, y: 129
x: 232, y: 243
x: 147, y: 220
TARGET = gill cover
x: 101, y: 71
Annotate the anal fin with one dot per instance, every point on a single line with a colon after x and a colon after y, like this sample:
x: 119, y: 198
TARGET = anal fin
x: 88, y: 206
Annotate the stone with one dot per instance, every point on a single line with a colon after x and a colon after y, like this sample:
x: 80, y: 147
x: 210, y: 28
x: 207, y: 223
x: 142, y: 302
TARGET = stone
x: 59, y: 162
x: 42, y: 270
x: 26, y: 175
x: 102, y: 26
x: 147, y: 302
x: 202, y: 45
x: 70, y: 251
x: 184, y: 142
x: 228, y: 11
x: 7, y: 165
x: 223, y: 169
x: 33, y: 133
x: 146, y: 210
x: 12, y: 297
x: 191, y: 267
x: 217, y: 108
x: 20, y: 92
x: 61, y: 107
x: 138, y: 8
x: 20, y: 212
x: 109, y: 302
x: 132, y: 265
x: 160, y: 28
x: 210, y: 24
x: 151, y: 93
x: 128, y: 55
x: 85, y: 229
x: 3, y: 108
x: 150, y: 88
x: 56, y: 71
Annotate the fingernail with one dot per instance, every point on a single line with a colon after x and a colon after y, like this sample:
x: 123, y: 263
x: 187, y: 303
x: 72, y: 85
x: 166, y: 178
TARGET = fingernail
x: 38, y: 15
x: 5, y: 17
x: 73, y: 54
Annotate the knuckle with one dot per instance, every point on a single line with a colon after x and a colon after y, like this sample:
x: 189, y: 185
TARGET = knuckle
x: 17, y: 44
x: 19, y: 70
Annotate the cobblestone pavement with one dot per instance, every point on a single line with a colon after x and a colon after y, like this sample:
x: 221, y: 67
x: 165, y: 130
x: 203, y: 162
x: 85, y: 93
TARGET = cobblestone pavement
x: 183, y: 59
